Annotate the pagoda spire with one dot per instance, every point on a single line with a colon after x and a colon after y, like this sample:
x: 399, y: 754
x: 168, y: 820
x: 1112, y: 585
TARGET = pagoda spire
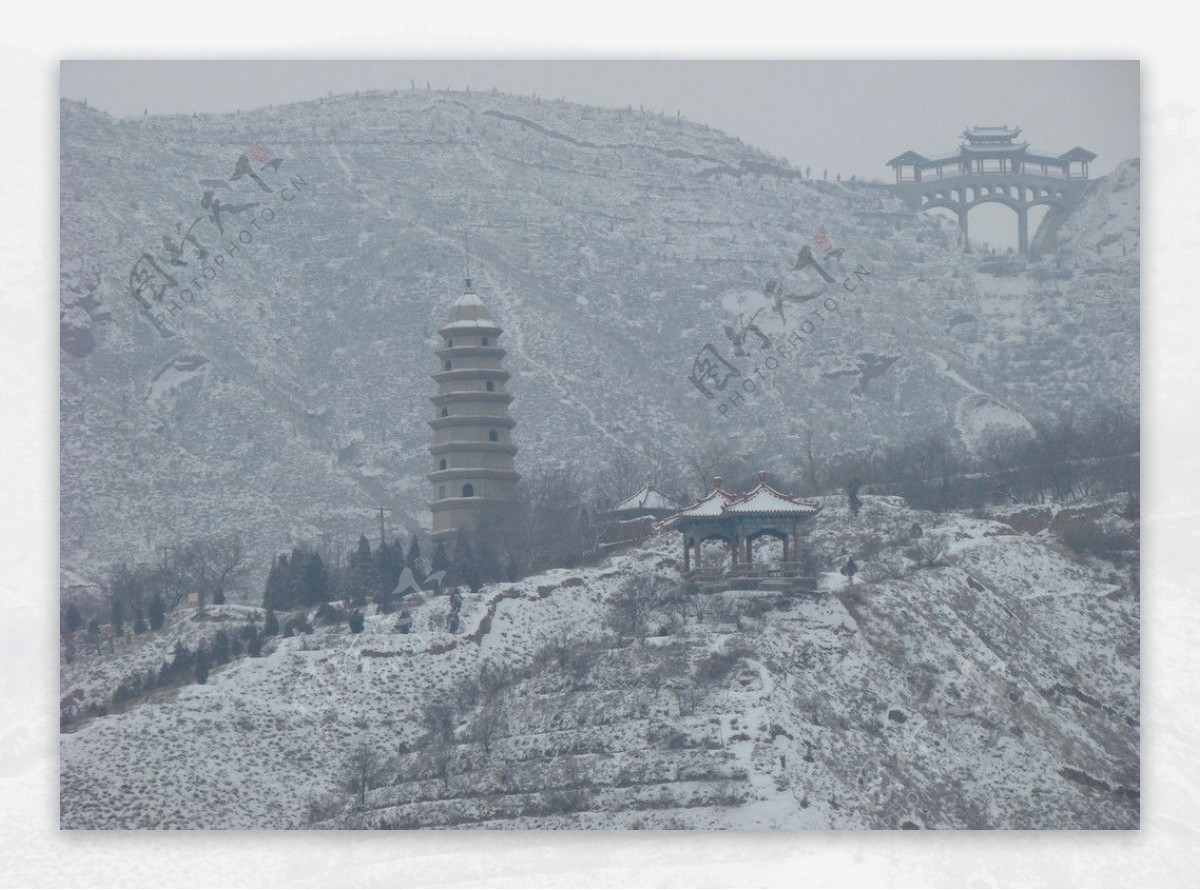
x: 467, y: 258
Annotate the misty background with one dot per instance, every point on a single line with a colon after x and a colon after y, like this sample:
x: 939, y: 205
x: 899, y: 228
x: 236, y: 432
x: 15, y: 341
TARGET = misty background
x: 843, y: 117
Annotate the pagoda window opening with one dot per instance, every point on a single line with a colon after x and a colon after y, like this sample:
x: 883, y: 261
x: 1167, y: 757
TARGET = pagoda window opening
x: 468, y: 490
x: 445, y: 412
x: 485, y: 341
x: 447, y: 366
x: 449, y: 343
x: 493, y: 436
x: 441, y: 492
x: 491, y: 386
x: 442, y: 464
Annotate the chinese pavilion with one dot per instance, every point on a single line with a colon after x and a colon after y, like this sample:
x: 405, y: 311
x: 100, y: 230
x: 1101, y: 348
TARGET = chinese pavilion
x: 992, y: 166
x: 740, y: 520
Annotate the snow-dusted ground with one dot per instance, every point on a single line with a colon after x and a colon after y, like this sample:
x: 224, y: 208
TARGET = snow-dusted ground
x: 996, y: 688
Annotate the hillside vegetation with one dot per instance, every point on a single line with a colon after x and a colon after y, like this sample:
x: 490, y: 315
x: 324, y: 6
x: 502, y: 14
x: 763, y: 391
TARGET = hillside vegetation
x: 974, y: 675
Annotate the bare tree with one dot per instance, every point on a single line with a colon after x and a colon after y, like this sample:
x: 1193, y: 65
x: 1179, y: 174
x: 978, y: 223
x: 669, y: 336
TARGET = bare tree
x: 174, y: 575
x: 810, y: 464
x: 219, y: 562
x: 687, y: 697
x: 617, y: 476
x: 632, y: 607
x: 551, y: 521
x: 438, y: 761
x: 439, y: 721
x: 364, y: 771
x: 489, y: 724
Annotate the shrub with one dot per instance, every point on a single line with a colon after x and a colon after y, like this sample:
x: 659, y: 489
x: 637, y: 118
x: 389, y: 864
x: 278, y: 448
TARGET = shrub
x: 328, y: 615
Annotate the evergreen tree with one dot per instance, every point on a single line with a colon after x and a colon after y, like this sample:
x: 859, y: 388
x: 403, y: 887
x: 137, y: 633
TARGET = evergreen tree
x: 278, y: 593
x: 441, y: 561
x: 314, y: 581
x: 71, y: 620
x: 329, y: 615
x: 414, y: 552
x: 487, y: 563
x: 222, y: 649
x: 201, y: 665
x: 852, y: 489
x: 254, y: 643
x: 382, y: 571
x: 356, y: 622
x: 466, y: 568
x: 94, y: 633
x: 182, y: 663
x: 270, y: 624
x: 139, y: 621
x: 358, y: 573
x: 511, y: 571
x: 850, y: 569
x: 118, y: 616
x: 398, y: 559
x: 158, y: 612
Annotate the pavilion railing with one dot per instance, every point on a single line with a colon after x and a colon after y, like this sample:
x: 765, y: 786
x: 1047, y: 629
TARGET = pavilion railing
x: 784, y: 571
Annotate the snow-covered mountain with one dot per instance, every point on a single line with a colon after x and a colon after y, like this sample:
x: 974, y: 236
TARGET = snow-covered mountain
x: 991, y: 682
x: 288, y: 397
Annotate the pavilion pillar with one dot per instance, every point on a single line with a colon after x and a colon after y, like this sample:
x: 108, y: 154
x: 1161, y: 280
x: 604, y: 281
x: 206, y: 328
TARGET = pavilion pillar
x: 687, y: 561
x: 749, y: 552
x: 733, y: 551
x: 962, y: 226
x: 1023, y: 231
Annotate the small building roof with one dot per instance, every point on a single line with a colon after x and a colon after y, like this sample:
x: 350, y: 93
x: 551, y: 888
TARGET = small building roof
x: 909, y: 157
x: 649, y: 498
x: 973, y: 134
x: 468, y: 307
x: 1078, y: 154
x: 710, y: 505
x: 763, y: 500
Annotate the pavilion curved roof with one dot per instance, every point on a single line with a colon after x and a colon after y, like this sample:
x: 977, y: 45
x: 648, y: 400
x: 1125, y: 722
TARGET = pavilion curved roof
x: 709, y: 506
x: 649, y: 498
x: 763, y: 500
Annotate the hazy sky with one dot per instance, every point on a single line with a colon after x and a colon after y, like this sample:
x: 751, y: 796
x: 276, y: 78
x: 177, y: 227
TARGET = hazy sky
x: 849, y: 117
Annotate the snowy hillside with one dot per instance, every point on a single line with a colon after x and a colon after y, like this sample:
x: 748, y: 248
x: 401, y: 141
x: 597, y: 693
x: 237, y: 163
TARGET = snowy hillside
x: 973, y: 676
x: 289, y: 397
